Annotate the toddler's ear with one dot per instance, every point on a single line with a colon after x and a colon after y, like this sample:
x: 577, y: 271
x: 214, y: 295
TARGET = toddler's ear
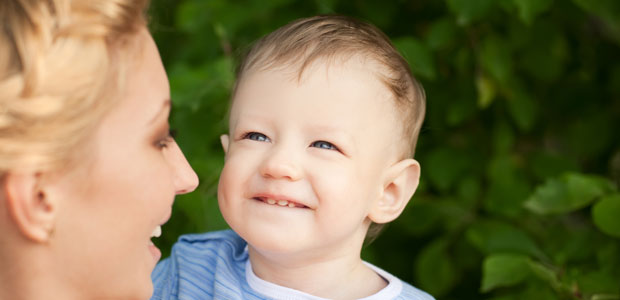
x: 29, y: 206
x: 400, y: 183
x: 224, y: 141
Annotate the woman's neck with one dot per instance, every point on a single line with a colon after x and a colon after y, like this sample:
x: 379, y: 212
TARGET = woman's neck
x: 27, y: 275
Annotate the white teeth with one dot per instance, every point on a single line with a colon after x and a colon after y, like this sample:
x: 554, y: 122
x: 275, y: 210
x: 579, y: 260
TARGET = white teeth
x: 156, y: 232
x: 278, y: 202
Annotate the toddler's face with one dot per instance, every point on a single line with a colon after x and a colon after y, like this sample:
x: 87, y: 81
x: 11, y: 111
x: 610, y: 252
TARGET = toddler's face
x: 305, y: 160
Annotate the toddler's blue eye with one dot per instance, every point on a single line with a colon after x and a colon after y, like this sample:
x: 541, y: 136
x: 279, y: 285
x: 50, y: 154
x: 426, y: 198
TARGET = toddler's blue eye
x: 323, y: 145
x: 255, y: 136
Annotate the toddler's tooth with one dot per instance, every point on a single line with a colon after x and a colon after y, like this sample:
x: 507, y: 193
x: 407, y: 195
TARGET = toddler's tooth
x: 291, y: 205
x: 282, y: 202
x: 271, y: 201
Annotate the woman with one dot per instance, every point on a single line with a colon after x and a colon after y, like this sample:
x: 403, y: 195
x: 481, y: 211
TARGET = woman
x: 88, y: 170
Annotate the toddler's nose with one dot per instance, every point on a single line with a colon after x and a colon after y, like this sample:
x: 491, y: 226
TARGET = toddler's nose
x: 280, y: 164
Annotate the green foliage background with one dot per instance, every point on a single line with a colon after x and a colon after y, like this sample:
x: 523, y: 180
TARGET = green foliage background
x: 519, y: 151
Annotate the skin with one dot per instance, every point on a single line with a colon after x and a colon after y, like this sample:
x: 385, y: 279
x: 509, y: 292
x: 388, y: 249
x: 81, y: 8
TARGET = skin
x: 85, y: 233
x: 326, y: 145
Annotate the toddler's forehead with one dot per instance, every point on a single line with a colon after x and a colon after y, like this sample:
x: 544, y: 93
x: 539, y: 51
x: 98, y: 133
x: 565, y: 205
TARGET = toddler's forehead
x: 299, y: 67
x: 327, y: 69
x: 330, y: 72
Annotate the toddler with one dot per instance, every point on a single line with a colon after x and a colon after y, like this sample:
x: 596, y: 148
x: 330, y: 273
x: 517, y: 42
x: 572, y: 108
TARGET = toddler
x: 324, y: 119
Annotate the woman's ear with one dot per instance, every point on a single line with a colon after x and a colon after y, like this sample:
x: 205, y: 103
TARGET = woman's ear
x: 28, y: 205
x: 224, y: 140
x: 400, y: 183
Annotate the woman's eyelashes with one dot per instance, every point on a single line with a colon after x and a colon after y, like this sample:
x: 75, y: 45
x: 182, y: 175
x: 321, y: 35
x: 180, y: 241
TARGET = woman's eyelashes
x: 165, y: 140
x: 256, y: 136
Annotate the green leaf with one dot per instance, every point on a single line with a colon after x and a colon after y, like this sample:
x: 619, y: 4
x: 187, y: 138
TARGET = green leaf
x: 606, y: 215
x: 454, y: 213
x: 607, y: 10
x: 614, y: 80
x: 523, y: 109
x: 546, y: 164
x: 607, y: 256
x: 564, y: 242
x: 418, y: 55
x: 545, y: 274
x: 486, y: 91
x: 189, y: 84
x: 434, y: 268
x: 531, y: 291
x: 503, y: 270
x: 530, y: 9
x: 445, y: 166
x: 441, y: 34
x: 495, y: 58
x: 605, y: 297
x: 597, y: 282
x: 503, y: 140
x: 547, y: 60
x: 460, y: 110
x: 570, y: 192
x: 184, y: 84
x: 601, y: 8
x: 468, y: 190
x: 468, y: 11
x: 491, y: 236
x: 379, y: 13
x: 508, y: 188
x: 326, y: 6
x: 190, y: 16
x: 422, y: 217
x: 580, y: 137
x: 506, y: 197
x: 538, y: 292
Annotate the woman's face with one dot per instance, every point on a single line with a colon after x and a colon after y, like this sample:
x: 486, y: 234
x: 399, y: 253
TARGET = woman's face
x: 113, y: 202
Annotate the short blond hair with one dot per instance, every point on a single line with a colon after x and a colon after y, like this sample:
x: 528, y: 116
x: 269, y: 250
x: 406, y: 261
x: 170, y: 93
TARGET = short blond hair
x: 61, y: 67
x: 304, y: 41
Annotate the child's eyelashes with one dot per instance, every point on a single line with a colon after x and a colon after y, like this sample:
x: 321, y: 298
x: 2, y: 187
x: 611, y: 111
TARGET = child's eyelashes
x: 259, y: 137
x: 256, y: 136
x: 324, y: 145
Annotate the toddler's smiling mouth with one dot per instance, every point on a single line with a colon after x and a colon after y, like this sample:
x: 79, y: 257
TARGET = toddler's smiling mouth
x: 279, y: 202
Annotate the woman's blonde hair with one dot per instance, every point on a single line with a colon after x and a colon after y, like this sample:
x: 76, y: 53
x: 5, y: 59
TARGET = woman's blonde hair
x: 61, y: 67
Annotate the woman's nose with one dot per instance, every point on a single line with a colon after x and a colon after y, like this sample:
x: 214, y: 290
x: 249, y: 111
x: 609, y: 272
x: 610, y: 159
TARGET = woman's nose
x: 281, y: 164
x: 185, y: 179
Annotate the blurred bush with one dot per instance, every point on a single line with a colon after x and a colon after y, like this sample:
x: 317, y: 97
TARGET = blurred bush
x: 519, y: 151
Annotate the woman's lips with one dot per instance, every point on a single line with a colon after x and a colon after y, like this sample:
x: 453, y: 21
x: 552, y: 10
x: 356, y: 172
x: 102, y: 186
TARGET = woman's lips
x: 154, y: 251
x: 152, y: 248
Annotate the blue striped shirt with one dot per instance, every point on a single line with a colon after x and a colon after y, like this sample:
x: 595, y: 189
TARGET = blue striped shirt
x: 216, y: 265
